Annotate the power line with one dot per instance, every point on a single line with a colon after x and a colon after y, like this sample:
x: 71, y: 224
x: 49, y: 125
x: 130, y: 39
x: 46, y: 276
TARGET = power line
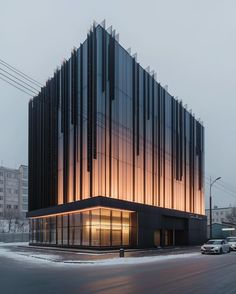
x: 20, y: 73
x: 224, y: 186
x: 15, y: 86
x: 225, y: 191
x: 18, y: 83
x: 18, y: 79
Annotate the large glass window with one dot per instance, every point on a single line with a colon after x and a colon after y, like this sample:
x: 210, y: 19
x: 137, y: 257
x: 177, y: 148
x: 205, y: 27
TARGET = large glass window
x: 116, y: 228
x: 101, y: 227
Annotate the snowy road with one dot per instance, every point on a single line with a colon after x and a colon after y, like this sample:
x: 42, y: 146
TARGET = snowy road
x: 183, y: 273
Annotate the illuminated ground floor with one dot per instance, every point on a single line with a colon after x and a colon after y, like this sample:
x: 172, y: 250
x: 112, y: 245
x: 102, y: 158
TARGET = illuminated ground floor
x: 102, y: 222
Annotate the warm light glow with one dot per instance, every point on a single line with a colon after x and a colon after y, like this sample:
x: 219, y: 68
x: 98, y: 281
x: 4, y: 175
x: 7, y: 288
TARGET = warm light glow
x: 77, y: 211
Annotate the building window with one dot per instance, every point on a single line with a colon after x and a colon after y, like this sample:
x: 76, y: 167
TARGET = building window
x: 8, y: 206
x: 98, y: 228
x: 15, y: 206
x: 1, y: 198
x: 1, y: 189
x: 1, y: 182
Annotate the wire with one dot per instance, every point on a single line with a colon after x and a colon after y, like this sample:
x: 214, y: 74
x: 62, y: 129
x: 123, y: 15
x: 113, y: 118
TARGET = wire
x: 18, y: 79
x: 15, y: 86
x: 20, y: 73
x: 18, y: 83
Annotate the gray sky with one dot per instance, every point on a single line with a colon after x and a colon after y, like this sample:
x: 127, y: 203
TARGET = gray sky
x: 190, y: 44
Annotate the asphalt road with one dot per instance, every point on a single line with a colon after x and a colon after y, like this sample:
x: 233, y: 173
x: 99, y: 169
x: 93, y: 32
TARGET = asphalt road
x: 194, y: 274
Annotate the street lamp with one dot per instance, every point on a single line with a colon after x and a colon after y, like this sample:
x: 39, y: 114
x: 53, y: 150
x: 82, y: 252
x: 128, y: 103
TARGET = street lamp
x: 211, y: 184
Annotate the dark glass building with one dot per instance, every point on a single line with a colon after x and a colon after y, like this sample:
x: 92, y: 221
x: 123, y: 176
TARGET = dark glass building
x: 114, y: 159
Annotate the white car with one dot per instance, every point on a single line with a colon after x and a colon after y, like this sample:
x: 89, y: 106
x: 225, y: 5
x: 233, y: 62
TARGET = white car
x: 232, y: 242
x: 215, y: 246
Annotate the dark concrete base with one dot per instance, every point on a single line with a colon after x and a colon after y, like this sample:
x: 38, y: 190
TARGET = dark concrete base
x: 174, y: 227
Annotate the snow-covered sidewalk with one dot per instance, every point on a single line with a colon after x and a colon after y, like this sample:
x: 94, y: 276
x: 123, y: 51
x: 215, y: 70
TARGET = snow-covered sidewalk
x: 11, y: 250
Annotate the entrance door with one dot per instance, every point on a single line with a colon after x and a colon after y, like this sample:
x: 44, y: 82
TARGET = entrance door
x: 169, y: 237
x: 157, y: 238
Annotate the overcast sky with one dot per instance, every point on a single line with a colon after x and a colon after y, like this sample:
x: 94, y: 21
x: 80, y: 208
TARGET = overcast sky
x: 190, y: 44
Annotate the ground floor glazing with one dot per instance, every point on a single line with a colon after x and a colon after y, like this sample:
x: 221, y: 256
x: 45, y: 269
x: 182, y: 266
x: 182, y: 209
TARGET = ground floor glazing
x: 98, y: 227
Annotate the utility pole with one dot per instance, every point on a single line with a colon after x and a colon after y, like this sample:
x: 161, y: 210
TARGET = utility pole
x: 211, y: 184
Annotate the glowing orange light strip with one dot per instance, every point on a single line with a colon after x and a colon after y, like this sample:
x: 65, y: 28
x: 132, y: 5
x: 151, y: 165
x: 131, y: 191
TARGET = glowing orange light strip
x: 80, y: 210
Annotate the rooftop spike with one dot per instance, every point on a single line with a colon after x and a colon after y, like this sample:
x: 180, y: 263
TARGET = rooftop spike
x: 103, y: 24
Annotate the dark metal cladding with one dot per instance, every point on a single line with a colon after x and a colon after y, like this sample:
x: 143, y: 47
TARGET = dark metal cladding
x: 159, y: 142
x: 185, y: 162
x: 104, y: 59
x: 144, y: 135
x: 172, y: 150
x: 148, y: 96
x: 94, y: 114
x: 81, y: 120
x: 74, y: 114
x: 111, y: 78
x: 134, y: 82
x: 137, y: 109
x: 89, y: 100
x: 111, y: 67
x: 164, y: 144
x: 154, y: 139
x: 30, y: 154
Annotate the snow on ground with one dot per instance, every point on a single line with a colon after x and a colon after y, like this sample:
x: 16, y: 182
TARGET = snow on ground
x: 8, y: 251
x: 134, y: 260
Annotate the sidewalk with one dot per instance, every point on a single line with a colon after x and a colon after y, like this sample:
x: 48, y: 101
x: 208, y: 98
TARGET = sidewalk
x: 68, y: 255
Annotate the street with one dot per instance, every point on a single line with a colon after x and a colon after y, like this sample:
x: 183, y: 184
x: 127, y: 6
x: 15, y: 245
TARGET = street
x: 184, y: 273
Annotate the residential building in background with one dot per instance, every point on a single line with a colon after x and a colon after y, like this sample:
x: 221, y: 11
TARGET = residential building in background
x: 219, y: 215
x: 13, y: 192
x: 223, y: 222
x: 114, y: 159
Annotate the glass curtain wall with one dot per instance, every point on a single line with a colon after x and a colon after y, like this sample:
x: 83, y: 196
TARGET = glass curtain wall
x: 94, y: 228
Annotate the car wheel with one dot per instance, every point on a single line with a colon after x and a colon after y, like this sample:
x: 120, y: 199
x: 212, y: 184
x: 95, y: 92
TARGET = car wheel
x: 203, y: 252
x: 229, y: 250
x: 221, y: 251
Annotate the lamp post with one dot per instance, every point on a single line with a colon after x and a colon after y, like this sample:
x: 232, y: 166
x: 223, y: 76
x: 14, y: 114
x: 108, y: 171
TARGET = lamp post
x: 211, y: 184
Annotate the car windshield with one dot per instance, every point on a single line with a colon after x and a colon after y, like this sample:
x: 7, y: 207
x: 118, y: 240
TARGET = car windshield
x: 214, y: 242
x: 231, y: 239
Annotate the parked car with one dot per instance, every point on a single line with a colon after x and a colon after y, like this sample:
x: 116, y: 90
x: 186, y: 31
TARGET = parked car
x: 215, y: 246
x: 232, y: 242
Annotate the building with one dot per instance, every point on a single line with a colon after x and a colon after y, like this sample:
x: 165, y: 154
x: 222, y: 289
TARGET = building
x: 219, y: 215
x: 114, y: 159
x: 13, y: 192
x: 223, y: 222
